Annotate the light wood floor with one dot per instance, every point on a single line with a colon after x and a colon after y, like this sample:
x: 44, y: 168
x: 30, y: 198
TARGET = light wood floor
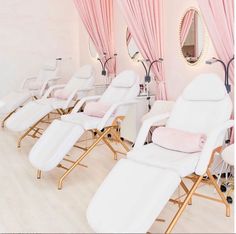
x: 31, y: 205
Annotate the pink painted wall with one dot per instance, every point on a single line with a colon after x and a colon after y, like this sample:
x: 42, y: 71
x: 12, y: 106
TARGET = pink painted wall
x: 178, y: 73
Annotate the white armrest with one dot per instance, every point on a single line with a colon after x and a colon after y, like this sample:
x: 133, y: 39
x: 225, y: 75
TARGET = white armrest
x: 82, y: 101
x: 52, y: 88
x: 27, y: 79
x: 55, y: 78
x: 147, y: 124
x: 112, y: 109
x: 210, y: 145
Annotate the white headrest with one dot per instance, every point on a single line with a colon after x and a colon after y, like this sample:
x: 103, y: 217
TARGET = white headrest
x: 50, y: 65
x: 84, y: 72
x: 125, y: 79
x: 206, y: 87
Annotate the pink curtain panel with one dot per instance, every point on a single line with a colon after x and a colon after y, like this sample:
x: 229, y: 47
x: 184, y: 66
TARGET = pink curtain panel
x: 218, y: 16
x: 185, y: 26
x: 144, y: 20
x: 97, y: 17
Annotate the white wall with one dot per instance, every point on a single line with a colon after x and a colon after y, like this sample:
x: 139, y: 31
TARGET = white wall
x: 32, y: 31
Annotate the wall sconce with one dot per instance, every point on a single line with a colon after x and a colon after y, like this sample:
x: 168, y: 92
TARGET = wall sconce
x: 147, y: 77
x: 104, y: 72
x: 226, y: 70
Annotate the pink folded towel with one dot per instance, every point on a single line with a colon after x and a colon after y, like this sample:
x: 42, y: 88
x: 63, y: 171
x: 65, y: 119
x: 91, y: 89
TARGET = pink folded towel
x: 96, y: 109
x: 178, y: 140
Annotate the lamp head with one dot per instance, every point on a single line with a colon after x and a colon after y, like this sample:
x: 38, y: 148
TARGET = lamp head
x: 147, y: 79
x: 211, y: 61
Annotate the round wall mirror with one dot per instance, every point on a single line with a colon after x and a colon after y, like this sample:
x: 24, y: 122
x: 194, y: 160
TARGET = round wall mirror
x: 192, y: 36
x: 132, y: 47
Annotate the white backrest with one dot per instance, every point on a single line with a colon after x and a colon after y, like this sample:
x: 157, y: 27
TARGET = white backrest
x: 82, y: 79
x: 124, y: 87
x: 49, y: 71
x: 203, y: 105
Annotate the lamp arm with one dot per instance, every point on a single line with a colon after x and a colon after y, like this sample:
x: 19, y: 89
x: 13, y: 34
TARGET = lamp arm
x: 144, y: 67
x: 149, y: 70
x: 227, y: 69
x: 107, y: 61
x: 101, y: 62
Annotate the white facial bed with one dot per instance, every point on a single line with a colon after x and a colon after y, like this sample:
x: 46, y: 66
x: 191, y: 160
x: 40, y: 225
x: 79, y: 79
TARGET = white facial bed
x: 62, y: 134
x: 33, y: 87
x: 136, y: 190
x: 28, y: 117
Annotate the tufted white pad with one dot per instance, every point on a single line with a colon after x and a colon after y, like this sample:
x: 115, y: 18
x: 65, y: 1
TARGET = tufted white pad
x: 54, y: 144
x: 13, y: 100
x: 131, y: 198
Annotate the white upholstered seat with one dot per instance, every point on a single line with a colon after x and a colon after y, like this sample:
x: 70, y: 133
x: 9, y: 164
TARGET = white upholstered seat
x: 182, y: 163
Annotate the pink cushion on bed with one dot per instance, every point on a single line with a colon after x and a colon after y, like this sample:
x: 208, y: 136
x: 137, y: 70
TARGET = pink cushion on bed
x: 178, y: 140
x: 61, y: 94
x: 96, y: 109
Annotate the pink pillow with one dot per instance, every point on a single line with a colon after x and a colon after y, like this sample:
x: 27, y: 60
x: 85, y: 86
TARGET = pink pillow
x: 61, y: 94
x: 96, y: 109
x: 178, y: 140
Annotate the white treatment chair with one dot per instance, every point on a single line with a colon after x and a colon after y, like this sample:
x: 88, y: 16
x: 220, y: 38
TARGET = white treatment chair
x: 29, y: 116
x: 51, y: 149
x: 136, y: 190
x: 32, y: 87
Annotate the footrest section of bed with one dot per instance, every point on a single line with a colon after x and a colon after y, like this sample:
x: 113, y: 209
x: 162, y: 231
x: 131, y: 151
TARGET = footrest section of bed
x: 28, y: 116
x: 54, y: 144
x: 131, y: 198
x: 12, y: 101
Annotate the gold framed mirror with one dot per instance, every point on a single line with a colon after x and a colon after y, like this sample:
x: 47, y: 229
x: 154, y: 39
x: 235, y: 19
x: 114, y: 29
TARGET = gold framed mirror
x: 191, y: 36
x: 132, y: 48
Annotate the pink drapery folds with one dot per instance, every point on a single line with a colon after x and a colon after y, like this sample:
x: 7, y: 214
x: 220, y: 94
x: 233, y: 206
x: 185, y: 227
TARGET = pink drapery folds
x: 144, y: 20
x: 97, y: 17
x: 218, y: 16
x: 185, y: 26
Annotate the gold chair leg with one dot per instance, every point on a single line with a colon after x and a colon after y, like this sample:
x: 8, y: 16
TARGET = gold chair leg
x: 185, y: 203
x: 27, y: 132
x: 119, y: 140
x: 5, y: 119
x: 39, y: 174
x: 219, y: 192
x: 108, y: 144
x: 186, y: 191
x: 81, y: 158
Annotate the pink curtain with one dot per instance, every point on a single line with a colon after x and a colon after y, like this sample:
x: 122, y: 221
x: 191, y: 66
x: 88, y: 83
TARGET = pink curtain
x: 219, y: 18
x: 144, y: 20
x: 97, y: 16
x: 185, y: 26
